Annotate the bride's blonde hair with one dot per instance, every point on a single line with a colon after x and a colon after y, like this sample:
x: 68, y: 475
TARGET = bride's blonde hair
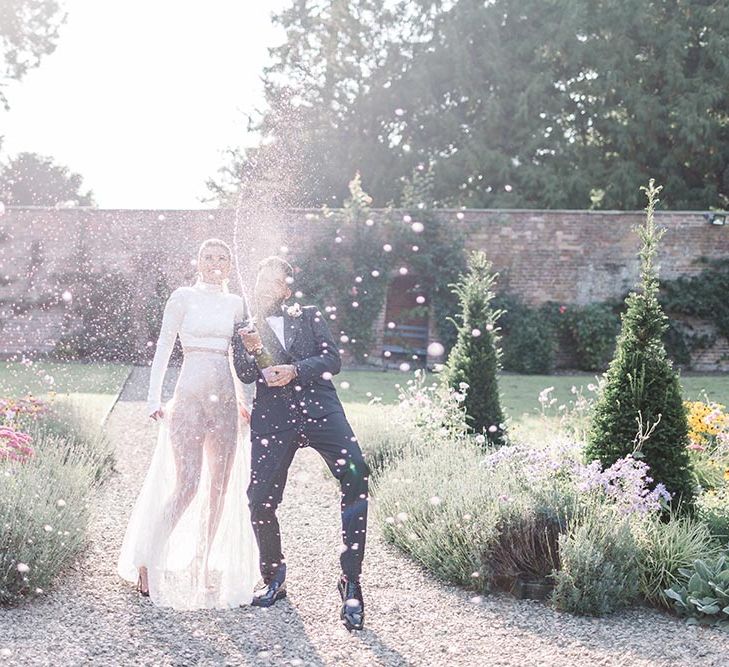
x: 218, y: 243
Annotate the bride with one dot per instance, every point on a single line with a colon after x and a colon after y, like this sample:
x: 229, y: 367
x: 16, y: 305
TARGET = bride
x: 189, y: 543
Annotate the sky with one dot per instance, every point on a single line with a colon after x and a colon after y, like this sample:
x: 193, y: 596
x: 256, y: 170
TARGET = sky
x: 142, y: 97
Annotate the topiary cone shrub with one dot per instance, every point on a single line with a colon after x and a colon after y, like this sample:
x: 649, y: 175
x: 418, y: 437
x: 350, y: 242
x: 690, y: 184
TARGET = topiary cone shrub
x: 640, y: 408
x: 474, y: 359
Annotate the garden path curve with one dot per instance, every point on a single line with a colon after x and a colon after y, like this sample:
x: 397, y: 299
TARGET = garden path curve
x: 93, y: 618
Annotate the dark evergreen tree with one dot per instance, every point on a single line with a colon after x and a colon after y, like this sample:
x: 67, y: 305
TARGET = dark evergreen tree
x: 642, y: 391
x: 515, y: 103
x: 474, y: 360
x: 29, y: 179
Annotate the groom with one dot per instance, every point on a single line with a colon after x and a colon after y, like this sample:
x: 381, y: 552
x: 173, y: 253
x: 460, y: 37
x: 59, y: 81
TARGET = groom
x: 296, y: 405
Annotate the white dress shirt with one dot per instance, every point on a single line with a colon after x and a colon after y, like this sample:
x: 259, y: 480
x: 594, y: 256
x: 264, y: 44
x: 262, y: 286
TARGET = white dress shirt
x: 276, y: 322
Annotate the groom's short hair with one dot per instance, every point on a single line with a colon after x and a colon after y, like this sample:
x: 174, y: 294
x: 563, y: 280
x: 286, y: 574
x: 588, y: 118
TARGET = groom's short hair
x: 279, y: 263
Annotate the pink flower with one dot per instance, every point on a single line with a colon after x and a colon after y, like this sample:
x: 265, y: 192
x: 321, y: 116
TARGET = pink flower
x: 14, y: 445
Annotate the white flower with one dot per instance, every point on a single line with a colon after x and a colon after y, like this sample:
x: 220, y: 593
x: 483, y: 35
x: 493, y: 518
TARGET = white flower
x: 23, y: 568
x: 294, y: 311
x: 544, y: 394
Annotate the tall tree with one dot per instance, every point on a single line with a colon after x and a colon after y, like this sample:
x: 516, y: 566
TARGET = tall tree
x: 473, y: 363
x: 640, y: 407
x: 29, y: 179
x: 548, y: 103
x: 28, y: 31
x: 328, y: 99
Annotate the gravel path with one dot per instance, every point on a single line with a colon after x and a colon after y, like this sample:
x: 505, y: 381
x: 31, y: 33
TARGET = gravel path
x: 96, y: 619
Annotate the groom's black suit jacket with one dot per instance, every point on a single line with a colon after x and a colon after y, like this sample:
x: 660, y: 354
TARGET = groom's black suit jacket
x: 311, y: 348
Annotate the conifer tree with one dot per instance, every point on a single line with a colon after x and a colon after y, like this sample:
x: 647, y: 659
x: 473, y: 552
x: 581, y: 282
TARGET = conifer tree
x: 642, y: 394
x: 474, y: 360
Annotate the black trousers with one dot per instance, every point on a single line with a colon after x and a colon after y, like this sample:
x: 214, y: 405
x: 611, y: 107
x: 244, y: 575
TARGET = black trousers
x: 272, y: 454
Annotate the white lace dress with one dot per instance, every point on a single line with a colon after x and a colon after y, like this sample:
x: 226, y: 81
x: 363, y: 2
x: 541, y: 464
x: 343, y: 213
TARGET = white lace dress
x: 190, y: 525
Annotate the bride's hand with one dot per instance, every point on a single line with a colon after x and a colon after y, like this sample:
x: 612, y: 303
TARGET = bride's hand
x: 157, y: 415
x: 244, y: 413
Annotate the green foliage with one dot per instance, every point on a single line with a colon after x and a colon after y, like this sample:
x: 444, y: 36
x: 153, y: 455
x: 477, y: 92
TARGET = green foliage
x: 29, y: 179
x: 44, y: 504
x: 518, y: 103
x: 440, y: 258
x: 529, y: 341
x: 100, y: 315
x: 473, y: 529
x: 474, y: 360
x: 641, y: 390
x: 712, y: 508
x: 532, y: 336
x: 329, y: 65
x: 599, y: 565
x: 702, y: 297
x: 591, y: 332
x: 704, y: 597
x: 342, y: 249
x: 345, y: 248
x: 28, y: 31
x: 438, y: 535
x: 70, y: 423
x: 522, y: 512
x: 665, y: 548
x: 424, y: 413
x: 382, y: 436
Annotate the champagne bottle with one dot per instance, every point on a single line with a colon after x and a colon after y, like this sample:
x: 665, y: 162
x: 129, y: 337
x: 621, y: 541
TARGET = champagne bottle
x: 262, y: 356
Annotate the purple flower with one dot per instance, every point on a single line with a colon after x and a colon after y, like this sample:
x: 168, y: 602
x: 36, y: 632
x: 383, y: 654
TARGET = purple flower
x: 625, y: 483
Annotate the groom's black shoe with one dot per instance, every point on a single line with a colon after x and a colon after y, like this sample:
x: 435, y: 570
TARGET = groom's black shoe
x: 352, y: 613
x: 269, y: 594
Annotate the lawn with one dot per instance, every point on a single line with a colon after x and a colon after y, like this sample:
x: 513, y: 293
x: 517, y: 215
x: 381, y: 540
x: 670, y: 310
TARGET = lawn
x: 99, y: 384
x: 520, y: 392
x: 95, y: 386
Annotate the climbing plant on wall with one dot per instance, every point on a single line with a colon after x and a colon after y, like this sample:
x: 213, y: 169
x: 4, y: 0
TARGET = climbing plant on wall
x: 350, y: 256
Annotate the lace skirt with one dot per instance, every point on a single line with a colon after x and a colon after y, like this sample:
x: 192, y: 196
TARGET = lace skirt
x: 191, y: 525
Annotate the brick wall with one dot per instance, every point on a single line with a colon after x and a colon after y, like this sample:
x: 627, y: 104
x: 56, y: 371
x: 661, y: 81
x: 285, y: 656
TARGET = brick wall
x: 574, y: 257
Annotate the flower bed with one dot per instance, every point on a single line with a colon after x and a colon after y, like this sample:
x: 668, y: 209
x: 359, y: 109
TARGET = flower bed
x: 709, y: 451
x: 531, y: 511
x: 51, y: 457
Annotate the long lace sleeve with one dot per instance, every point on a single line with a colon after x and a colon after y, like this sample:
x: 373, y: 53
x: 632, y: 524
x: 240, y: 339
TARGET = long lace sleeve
x: 171, y: 322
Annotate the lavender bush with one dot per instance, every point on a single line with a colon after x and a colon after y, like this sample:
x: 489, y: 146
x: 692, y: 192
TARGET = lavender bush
x: 532, y: 510
x: 599, y: 566
x: 44, y: 499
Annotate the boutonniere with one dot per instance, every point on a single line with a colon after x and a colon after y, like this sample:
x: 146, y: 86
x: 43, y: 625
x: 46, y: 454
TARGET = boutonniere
x: 294, y: 311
